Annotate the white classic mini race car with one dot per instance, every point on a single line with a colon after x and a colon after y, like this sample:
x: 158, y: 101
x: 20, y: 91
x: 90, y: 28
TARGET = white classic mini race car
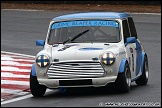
x: 89, y: 49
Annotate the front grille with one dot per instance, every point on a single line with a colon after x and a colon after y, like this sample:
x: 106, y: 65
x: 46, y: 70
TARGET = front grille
x: 75, y: 69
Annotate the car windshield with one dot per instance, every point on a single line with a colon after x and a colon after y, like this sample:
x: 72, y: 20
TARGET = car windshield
x: 84, y: 31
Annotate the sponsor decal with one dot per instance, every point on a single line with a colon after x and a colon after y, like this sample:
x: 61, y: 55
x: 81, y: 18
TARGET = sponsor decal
x: 62, y: 49
x: 120, y: 53
x: 67, y: 46
x: 85, y: 23
x: 95, y: 58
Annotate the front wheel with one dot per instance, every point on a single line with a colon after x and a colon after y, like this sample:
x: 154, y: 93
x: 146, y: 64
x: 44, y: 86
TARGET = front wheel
x: 143, y: 79
x: 123, y: 80
x: 36, y: 89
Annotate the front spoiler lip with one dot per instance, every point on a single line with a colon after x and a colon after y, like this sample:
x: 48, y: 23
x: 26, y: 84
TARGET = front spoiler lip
x: 95, y: 82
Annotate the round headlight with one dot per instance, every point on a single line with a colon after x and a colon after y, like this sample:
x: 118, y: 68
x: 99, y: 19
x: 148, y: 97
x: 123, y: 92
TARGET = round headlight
x: 108, y: 58
x: 42, y: 60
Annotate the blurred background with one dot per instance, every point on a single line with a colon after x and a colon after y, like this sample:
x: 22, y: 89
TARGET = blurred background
x: 120, y: 6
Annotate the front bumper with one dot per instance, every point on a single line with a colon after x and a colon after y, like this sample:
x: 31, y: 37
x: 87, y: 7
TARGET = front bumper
x: 77, y: 74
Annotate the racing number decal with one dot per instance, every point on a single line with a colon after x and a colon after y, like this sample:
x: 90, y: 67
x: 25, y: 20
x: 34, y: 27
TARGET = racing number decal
x: 138, y: 57
x: 132, y: 62
x: 131, y: 50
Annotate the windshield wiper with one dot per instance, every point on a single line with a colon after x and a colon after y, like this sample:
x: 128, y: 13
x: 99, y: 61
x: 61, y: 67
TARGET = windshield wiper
x: 75, y: 37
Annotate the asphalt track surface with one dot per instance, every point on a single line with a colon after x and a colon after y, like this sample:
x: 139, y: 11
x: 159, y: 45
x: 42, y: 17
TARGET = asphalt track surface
x: 20, y: 29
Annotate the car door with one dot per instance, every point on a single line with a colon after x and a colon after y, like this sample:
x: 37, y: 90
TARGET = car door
x: 138, y: 48
x: 130, y: 48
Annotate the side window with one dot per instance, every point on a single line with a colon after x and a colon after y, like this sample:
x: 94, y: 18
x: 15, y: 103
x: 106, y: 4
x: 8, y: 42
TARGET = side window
x: 125, y: 29
x: 132, y: 27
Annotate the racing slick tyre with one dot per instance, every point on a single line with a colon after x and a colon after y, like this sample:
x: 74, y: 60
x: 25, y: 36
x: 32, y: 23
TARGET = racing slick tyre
x: 123, y: 81
x: 36, y: 89
x: 143, y: 79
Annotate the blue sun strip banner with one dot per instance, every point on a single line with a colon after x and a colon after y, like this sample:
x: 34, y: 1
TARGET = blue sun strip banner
x: 85, y: 23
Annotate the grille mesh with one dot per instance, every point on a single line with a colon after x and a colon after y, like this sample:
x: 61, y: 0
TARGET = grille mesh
x: 77, y: 69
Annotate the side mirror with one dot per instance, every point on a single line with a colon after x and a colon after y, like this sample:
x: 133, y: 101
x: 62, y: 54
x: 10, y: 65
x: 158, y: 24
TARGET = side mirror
x: 40, y: 42
x: 130, y: 40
